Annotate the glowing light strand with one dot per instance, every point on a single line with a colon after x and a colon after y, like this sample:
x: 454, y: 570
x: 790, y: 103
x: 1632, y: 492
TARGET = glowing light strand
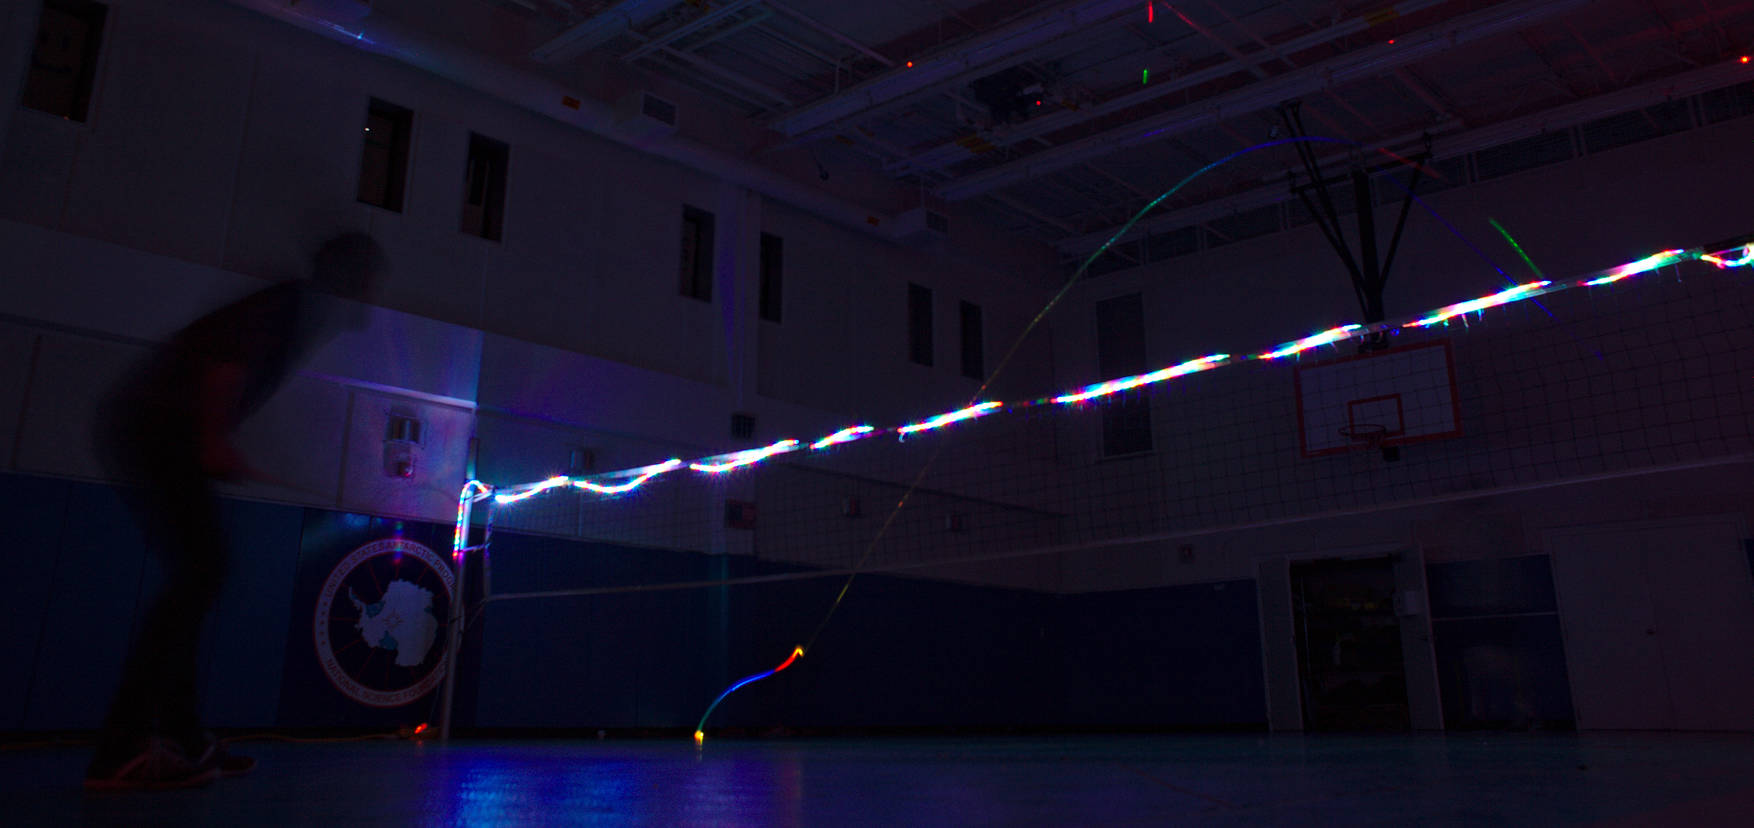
x: 639, y: 479
x: 1503, y: 297
x: 1115, y: 386
x: 1327, y: 337
x: 845, y: 435
x: 525, y: 493
x: 1721, y: 259
x: 472, y: 491
x: 738, y: 459
x: 957, y: 416
x: 1630, y: 269
x: 700, y: 727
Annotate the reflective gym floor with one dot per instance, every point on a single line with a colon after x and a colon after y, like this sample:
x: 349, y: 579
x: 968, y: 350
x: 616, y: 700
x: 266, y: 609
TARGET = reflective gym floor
x: 1254, y: 780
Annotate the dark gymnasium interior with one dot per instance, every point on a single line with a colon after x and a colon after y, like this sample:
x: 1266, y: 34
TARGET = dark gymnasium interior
x: 920, y: 412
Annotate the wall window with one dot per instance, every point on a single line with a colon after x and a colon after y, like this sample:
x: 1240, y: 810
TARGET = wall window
x: 484, y: 187
x: 63, y: 63
x: 973, y: 346
x: 1120, y: 352
x: 919, y: 324
x: 697, y: 254
x: 772, y: 276
x: 383, y: 165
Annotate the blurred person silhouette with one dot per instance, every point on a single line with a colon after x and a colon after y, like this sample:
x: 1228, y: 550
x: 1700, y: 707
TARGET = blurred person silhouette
x: 170, y: 424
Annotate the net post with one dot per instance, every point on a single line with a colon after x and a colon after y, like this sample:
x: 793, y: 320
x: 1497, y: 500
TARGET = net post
x: 454, y: 642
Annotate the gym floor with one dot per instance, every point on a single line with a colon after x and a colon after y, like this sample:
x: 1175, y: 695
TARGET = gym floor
x: 1257, y: 780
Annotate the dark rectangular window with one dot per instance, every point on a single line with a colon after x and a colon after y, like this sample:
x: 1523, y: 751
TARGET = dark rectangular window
x: 973, y: 345
x: 484, y: 187
x: 919, y: 324
x: 773, y: 259
x: 63, y: 63
x: 1120, y: 352
x: 697, y: 254
x: 383, y: 165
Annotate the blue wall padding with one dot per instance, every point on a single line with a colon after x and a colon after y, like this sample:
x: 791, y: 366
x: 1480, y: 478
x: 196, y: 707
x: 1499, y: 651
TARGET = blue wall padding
x: 88, y: 618
x: 247, y: 633
x: 1183, y: 656
x: 33, y: 511
x: 900, y: 652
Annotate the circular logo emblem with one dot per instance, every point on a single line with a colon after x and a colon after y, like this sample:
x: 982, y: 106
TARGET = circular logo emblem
x: 381, y: 623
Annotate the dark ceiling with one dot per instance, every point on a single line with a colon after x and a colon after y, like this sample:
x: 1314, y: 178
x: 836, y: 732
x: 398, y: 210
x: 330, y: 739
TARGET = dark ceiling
x: 1062, y: 118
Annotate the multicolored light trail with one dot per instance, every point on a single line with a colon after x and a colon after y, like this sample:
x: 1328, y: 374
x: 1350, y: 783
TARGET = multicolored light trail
x: 1115, y: 386
x: 621, y: 482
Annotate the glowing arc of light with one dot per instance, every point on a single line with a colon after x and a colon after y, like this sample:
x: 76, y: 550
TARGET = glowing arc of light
x: 739, y: 459
x: 639, y: 479
x: 1327, y: 337
x: 942, y: 420
x: 1630, y: 269
x: 1503, y: 297
x: 700, y: 727
x: 1115, y: 386
x: 845, y: 435
x: 551, y: 483
x: 1719, y: 259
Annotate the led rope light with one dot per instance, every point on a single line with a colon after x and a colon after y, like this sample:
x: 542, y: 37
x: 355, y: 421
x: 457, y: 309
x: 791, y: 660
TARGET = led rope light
x: 1115, y: 386
x: 1327, y: 337
x: 845, y: 435
x: 1719, y: 259
x: 739, y: 459
x: 640, y: 477
x: 550, y: 483
x: 1644, y: 265
x: 1503, y: 297
x: 942, y: 420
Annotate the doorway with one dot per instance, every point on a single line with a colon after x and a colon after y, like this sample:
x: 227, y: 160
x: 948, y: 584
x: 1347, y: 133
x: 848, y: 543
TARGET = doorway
x: 1350, y: 663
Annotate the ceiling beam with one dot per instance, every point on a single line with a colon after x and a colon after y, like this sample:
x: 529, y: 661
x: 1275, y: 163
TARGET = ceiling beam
x: 600, y: 29
x: 986, y: 53
x: 952, y: 152
x: 1369, y: 61
x: 1693, y: 82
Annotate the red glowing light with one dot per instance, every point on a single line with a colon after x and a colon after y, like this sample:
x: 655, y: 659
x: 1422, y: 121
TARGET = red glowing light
x: 1151, y: 11
x: 796, y: 651
x: 910, y: 64
x: 421, y: 729
x: 1391, y: 41
x: 1038, y: 103
x: 1744, y: 58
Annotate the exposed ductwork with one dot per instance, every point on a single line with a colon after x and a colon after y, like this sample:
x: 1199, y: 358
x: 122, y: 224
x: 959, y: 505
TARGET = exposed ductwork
x: 382, y: 36
x: 1367, y: 62
x: 1446, y: 146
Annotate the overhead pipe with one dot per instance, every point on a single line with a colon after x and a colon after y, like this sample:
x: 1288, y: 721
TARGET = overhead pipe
x: 949, y: 153
x: 528, y: 90
x: 1687, y: 84
x: 1366, y: 62
x: 600, y: 28
x: 1000, y: 45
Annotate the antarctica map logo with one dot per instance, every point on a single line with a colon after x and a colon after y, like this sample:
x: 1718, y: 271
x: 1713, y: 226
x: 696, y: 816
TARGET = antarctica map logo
x: 381, y: 621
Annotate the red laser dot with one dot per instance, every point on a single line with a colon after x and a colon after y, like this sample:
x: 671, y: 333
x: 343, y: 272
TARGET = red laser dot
x: 1744, y: 58
x: 910, y: 64
x: 1391, y: 41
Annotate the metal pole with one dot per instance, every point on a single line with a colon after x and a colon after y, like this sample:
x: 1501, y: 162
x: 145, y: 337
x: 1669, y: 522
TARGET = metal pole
x: 454, y: 647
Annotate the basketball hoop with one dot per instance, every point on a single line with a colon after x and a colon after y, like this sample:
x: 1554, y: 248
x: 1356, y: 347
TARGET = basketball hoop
x: 1365, y: 435
x: 1371, y: 435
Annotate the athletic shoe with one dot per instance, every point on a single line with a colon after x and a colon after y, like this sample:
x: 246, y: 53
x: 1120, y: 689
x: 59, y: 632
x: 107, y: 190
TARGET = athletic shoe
x: 215, y: 756
x: 160, y: 766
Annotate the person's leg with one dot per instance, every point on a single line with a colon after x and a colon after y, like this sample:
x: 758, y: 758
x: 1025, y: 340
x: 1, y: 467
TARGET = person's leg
x: 157, y: 697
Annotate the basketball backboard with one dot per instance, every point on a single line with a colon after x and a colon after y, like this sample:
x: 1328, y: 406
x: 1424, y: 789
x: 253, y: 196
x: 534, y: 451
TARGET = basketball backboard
x: 1382, y: 398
